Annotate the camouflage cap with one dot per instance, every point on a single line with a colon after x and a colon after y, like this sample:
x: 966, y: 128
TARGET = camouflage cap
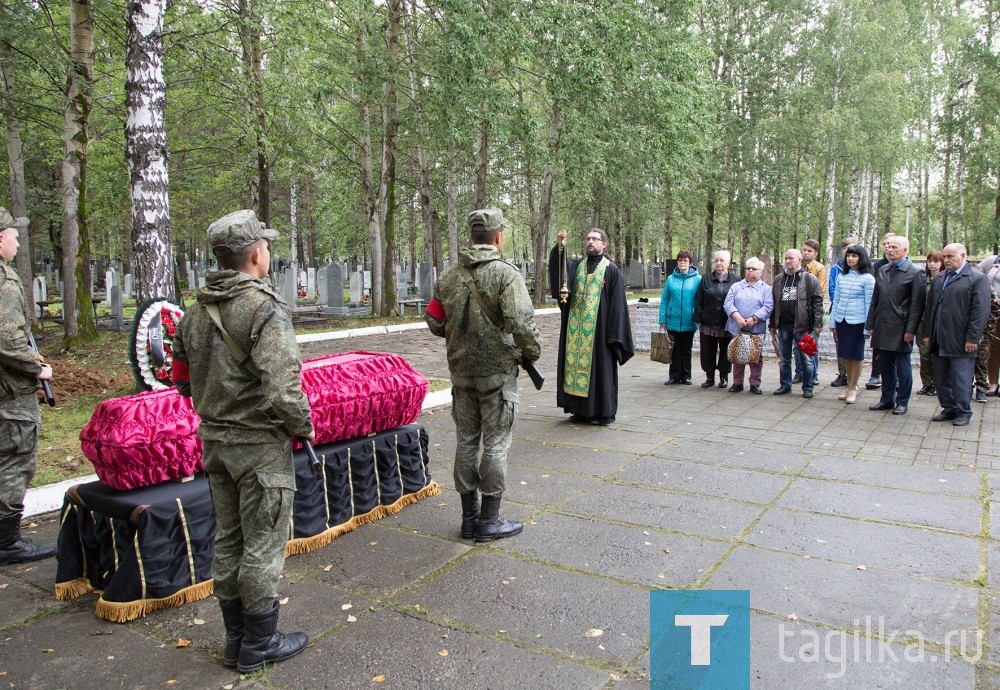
x: 233, y: 233
x: 8, y: 221
x: 486, y: 220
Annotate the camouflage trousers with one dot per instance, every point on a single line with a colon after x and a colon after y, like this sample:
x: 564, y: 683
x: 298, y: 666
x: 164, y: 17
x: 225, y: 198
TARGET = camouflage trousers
x: 484, y: 409
x: 18, y: 459
x: 253, y: 488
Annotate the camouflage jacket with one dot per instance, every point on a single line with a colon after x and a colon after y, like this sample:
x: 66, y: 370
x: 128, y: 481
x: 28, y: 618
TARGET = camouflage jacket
x: 19, y: 363
x: 234, y: 405
x: 475, y: 346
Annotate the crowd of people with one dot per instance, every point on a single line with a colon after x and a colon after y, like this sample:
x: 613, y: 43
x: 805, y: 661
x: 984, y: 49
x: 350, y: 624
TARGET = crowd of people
x: 950, y: 308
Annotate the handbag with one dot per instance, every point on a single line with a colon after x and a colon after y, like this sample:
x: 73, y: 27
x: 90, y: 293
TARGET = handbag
x: 746, y: 348
x: 661, y: 347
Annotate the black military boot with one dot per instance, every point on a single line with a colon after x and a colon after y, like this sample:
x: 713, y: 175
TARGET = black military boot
x: 470, y: 514
x: 17, y: 549
x: 232, y: 618
x: 264, y: 643
x: 491, y: 525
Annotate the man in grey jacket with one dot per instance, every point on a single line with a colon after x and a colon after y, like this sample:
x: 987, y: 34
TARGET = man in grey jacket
x: 798, y: 310
x: 893, y: 318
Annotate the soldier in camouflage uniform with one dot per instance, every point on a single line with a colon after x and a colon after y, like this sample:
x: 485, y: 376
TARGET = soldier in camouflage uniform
x: 246, y: 424
x: 21, y: 369
x: 483, y: 363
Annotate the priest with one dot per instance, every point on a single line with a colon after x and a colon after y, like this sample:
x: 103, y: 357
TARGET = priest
x: 595, y: 335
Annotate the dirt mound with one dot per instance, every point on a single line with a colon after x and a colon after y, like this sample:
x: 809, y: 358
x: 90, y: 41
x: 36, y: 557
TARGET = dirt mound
x: 69, y: 380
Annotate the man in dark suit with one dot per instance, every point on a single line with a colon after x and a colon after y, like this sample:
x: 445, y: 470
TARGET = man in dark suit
x: 957, y: 312
x: 893, y: 318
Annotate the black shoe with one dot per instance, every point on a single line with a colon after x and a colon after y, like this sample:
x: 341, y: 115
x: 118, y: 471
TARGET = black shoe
x: 263, y: 643
x: 685, y: 381
x: 796, y: 379
x: 962, y: 421
x: 839, y: 382
x: 899, y: 409
x: 470, y: 514
x: 923, y: 391
x: 755, y: 390
x: 931, y: 390
x: 807, y: 394
x: 576, y: 419
x: 879, y: 406
x: 736, y: 388
x: 15, y: 548
x: 602, y: 421
x: 981, y: 396
x: 709, y: 383
x: 723, y: 382
x: 671, y: 381
x: 491, y: 525
x: 943, y: 417
x: 784, y: 390
x: 873, y: 383
x: 232, y: 619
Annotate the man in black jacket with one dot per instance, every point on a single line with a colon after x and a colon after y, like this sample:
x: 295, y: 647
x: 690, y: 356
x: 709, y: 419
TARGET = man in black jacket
x: 958, y: 310
x: 711, y: 319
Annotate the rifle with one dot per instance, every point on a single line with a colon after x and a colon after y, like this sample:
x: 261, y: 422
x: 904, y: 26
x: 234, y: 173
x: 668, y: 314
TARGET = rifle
x: 46, y: 389
x: 314, y: 463
x: 532, y: 371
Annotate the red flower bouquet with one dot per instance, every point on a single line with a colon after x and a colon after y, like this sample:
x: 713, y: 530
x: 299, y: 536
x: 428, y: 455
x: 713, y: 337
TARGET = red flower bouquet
x: 807, y: 345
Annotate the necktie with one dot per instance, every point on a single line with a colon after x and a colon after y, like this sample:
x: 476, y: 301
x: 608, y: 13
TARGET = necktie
x: 892, y: 269
x: 947, y: 277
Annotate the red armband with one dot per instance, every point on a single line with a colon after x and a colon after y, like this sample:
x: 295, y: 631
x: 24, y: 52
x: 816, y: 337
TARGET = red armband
x: 180, y: 372
x: 436, y: 310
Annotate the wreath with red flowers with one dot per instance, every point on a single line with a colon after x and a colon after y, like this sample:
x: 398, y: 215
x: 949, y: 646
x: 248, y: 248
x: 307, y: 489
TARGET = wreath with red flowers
x: 151, y: 349
x: 807, y: 345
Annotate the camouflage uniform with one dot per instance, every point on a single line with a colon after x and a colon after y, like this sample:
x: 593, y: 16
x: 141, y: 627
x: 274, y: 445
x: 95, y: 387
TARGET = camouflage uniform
x: 19, y: 369
x: 246, y: 422
x: 483, y: 361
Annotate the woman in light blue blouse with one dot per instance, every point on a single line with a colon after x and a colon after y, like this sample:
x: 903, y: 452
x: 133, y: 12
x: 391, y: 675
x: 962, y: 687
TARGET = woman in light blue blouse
x: 851, y: 299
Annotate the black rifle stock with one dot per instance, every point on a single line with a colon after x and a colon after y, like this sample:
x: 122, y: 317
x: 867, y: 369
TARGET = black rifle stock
x: 532, y: 371
x: 46, y: 388
x: 314, y: 463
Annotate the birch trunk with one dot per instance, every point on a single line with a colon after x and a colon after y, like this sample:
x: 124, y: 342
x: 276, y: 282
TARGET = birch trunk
x: 146, y: 151
x: 15, y: 162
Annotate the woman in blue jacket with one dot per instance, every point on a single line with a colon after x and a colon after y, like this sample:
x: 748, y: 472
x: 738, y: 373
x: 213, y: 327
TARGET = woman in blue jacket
x: 851, y: 299
x: 677, y: 316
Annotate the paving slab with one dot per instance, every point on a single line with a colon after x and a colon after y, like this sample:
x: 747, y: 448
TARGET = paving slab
x: 954, y: 513
x: 544, y: 607
x: 908, y: 550
x: 594, y: 460
x: 745, y: 455
x: 934, y: 480
x: 841, y: 596
x: 23, y: 602
x: 706, y: 480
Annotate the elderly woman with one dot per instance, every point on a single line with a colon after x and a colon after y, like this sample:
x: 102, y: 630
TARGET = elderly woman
x: 851, y: 299
x: 711, y: 319
x: 677, y: 316
x: 933, y: 266
x: 749, y: 304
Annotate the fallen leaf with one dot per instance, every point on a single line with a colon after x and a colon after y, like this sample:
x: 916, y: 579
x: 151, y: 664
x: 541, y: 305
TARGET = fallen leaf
x: 443, y: 652
x: 792, y: 617
x: 327, y: 568
x: 199, y: 621
x: 170, y: 682
x: 346, y: 607
x: 3, y: 586
x: 351, y: 619
x: 647, y: 543
x: 110, y: 658
x: 505, y: 582
x: 600, y: 646
x: 372, y: 543
x: 593, y: 632
x: 538, y: 636
x: 283, y: 601
x: 666, y: 551
x: 181, y: 642
x: 32, y: 524
x: 499, y: 595
x: 502, y: 632
x: 662, y: 576
x: 615, y: 676
x: 48, y: 651
x: 378, y: 679
x: 524, y: 483
x: 862, y: 567
x: 545, y: 476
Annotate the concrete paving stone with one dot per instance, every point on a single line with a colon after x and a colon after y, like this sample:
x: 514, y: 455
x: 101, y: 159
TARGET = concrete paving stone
x: 548, y: 455
x: 544, y: 487
x: 358, y: 559
x: 909, y: 550
x: 407, y: 652
x: 993, y: 652
x: 955, y: 513
x: 709, y: 480
x: 628, y: 553
x: 603, y: 437
x: 23, y: 601
x: 87, y: 653
x: 697, y: 515
x: 732, y: 454
x: 785, y: 654
x: 993, y: 485
x: 542, y: 606
x: 837, y: 595
x: 934, y: 480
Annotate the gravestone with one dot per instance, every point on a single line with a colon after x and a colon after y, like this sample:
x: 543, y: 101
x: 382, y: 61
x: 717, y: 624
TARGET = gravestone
x: 425, y: 274
x: 201, y: 282
x: 128, y: 285
x: 117, y: 313
x: 322, y: 295
x: 286, y: 286
x: 334, y: 287
x: 310, y: 283
x: 654, y: 278
x: 635, y: 272
x: 357, y: 287
x: 39, y: 293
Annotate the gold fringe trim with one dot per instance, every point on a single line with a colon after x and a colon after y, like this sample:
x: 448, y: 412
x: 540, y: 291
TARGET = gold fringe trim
x: 318, y: 541
x: 125, y: 611
x: 73, y: 589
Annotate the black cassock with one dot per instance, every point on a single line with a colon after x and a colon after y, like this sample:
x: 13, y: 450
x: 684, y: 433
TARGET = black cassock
x: 612, y: 338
